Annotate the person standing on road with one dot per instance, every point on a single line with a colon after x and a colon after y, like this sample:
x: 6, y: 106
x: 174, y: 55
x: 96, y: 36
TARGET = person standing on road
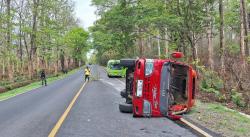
x: 87, y: 73
x: 43, y: 78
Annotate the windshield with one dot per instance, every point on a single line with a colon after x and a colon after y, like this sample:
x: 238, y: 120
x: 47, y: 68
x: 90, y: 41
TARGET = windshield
x: 115, y: 66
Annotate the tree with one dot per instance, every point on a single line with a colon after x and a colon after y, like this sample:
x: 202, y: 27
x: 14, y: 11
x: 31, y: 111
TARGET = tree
x: 77, y: 41
x: 8, y: 35
x: 222, y: 40
x: 209, y: 29
x: 31, y: 36
x: 245, y: 22
x: 242, y: 34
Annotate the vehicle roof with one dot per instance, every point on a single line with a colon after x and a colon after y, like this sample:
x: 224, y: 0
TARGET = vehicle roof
x: 113, y: 61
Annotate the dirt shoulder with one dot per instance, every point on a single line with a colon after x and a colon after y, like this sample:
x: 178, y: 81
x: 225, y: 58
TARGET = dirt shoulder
x: 220, y: 119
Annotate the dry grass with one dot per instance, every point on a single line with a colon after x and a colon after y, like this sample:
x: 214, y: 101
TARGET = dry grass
x: 221, y: 120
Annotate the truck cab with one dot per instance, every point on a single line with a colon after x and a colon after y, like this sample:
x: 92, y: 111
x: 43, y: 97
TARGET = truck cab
x: 162, y: 87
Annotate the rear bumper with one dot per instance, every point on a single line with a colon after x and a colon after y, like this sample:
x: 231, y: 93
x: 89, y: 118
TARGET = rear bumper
x: 117, y: 73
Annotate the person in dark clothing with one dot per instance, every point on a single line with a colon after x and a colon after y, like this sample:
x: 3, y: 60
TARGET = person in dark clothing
x: 43, y: 78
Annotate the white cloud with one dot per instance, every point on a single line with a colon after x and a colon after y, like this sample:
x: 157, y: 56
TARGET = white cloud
x: 85, y: 12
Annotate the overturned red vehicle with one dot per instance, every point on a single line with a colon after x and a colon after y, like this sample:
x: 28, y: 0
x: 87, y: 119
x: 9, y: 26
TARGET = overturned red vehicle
x: 158, y: 87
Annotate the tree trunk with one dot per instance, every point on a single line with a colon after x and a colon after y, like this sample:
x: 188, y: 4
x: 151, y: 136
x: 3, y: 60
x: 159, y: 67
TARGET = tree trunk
x: 30, y: 69
x: 166, y: 44
x: 194, y: 52
x: 8, y: 25
x: 245, y: 21
x: 191, y: 39
x: 76, y: 63
x: 21, y: 53
x: 222, y: 41
x: 33, y: 36
x: 55, y: 68
x: 66, y: 62
x: 69, y: 63
x: 62, y: 60
x: 242, y: 34
x: 140, y: 43
x: 210, y: 48
x: 209, y: 41
x: 10, y: 72
x: 38, y: 62
x: 3, y: 69
x: 28, y: 54
x: 159, y: 46
x: 20, y: 39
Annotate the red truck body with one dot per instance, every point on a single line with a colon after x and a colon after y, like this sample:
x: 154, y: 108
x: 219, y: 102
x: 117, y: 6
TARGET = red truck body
x: 162, y: 88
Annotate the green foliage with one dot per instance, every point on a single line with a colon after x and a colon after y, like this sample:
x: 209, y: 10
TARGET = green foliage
x: 211, y: 82
x: 108, y: 55
x: 76, y: 39
x: 233, y: 48
x: 231, y: 15
x: 248, y: 59
x: 237, y: 98
x: 114, y: 30
x: 124, y: 23
x: 37, y: 30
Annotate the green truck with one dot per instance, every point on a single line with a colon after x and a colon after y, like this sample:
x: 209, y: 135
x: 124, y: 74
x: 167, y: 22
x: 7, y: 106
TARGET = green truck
x: 114, y: 68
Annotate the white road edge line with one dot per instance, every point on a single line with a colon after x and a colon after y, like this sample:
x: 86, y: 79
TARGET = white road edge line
x: 195, y: 128
x: 120, y: 81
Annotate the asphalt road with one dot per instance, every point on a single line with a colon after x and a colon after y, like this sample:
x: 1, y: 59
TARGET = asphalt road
x: 95, y: 113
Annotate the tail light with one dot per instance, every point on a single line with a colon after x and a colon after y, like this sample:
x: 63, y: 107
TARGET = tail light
x: 146, y: 108
x: 149, y: 66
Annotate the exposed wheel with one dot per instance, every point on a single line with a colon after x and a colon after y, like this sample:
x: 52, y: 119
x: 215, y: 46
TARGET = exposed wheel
x: 126, y: 108
x: 123, y: 94
x: 128, y: 101
x: 128, y: 62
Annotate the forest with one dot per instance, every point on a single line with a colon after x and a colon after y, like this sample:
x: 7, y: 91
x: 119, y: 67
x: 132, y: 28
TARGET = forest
x: 212, y: 34
x: 36, y: 35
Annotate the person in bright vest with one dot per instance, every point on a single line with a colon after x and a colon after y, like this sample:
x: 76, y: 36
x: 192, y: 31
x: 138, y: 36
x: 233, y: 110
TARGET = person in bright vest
x: 87, y: 73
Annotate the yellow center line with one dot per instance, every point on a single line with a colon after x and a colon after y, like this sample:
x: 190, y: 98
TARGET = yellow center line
x: 64, y: 115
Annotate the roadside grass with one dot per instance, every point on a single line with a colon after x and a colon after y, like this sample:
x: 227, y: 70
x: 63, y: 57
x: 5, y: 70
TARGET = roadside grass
x: 34, y: 85
x: 219, y: 119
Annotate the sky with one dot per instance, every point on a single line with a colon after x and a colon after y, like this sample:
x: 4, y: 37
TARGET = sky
x: 85, y: 12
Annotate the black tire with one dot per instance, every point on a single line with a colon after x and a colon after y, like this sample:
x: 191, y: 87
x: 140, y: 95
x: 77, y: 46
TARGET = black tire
x: 128, y: 62
x: 123, y: 94
x: 126, y: 108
